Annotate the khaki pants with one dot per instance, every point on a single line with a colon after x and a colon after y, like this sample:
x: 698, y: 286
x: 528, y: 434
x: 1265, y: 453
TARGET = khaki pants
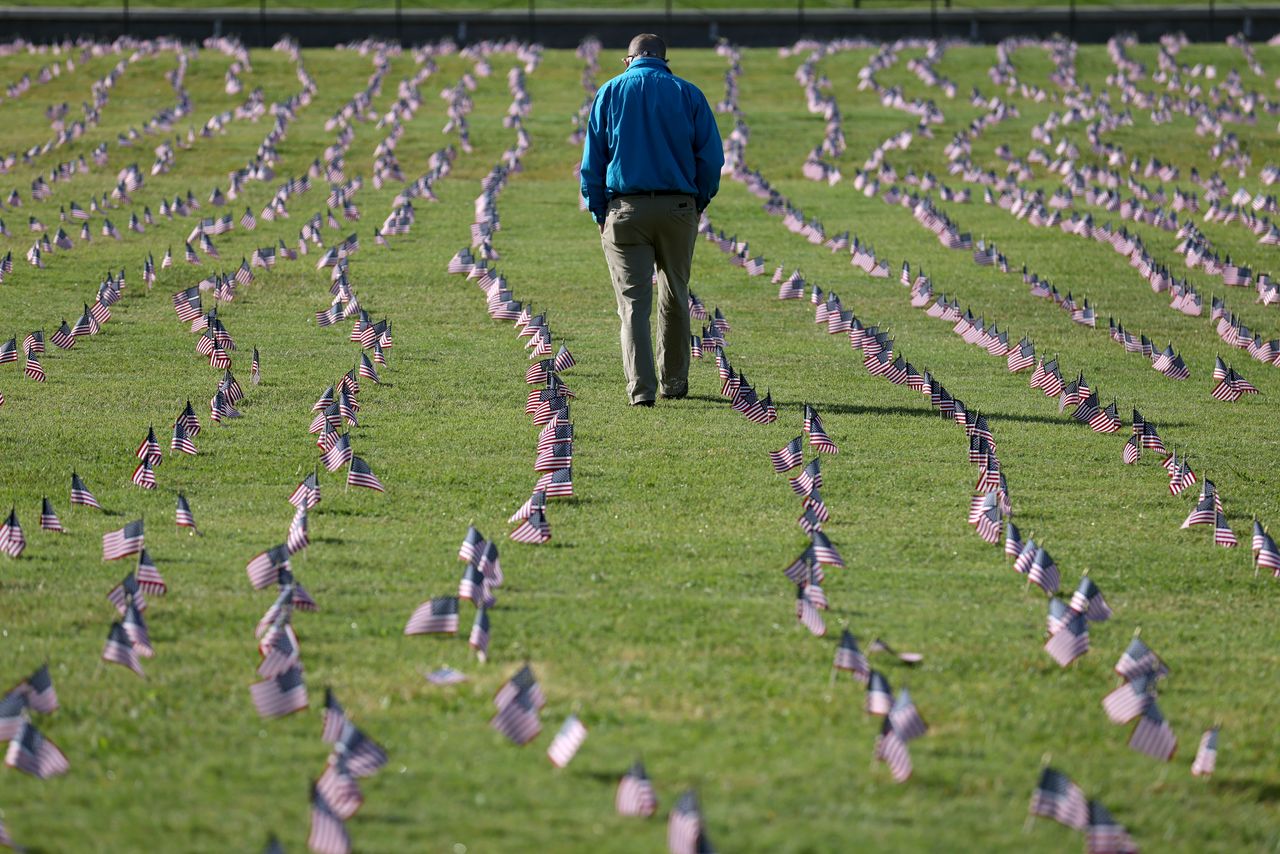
x: 639, y: 233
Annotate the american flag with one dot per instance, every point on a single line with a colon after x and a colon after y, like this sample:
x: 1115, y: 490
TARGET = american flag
x: 472, y: 543
x: 181, y: 439
x: 87, y: 324
x: 810, y: 478
x: 474, y: 587
x: 1104, y: 835
x: 1132, y: 451
x: 556, y: 484
x: 489, y: 563
x: 534, y: 529
x: 479, y: 639
x: 1058, y: 798
x: 813, y: 592
x: 563, y: 360
x: 1207, y: 754
x: 63, y: 338
x: 338, y: 455
x: 39, y: 692
x: 849, y: 657
x: 1070, y: 642
x: 298, y: 537
x: 144, y: 475
x: 1044, y: 572
x: 334, y: 717
x: 787, y: 457
x: 1021, y: 357
x: 359, y: 474
x: 1129, y: 700
x: 184, y: 517
x: 905, y: 717
x: 1267, y: 555
x: 684, y: 825
x: 567, y: 741
x: 823, y: 550
x: 522, y: 682
x: 803, y: 568
x: 32, y: 368
x: 12, y: 540
x: 31, y: 753
x: 339, y: 788
x: 189, y: 420
x: 135, y: 629
x: 307, y: 493
x: 909, y: 658
x: 119, y: 648
x: 518, y: 718
x: 818, y: 438
x: 1012, y: 540
x: 879, y: 694
x: 148, y: 576
x: 1138, y: 659
x: 435, y: 616
x: 279, y: 648
x: 328, y: 833
x: 552, y: 457
x: 891, y: 749
x: 445, y: 676
x: 813, y: 501
x: 1222, y: 533
x: 13, y: 713
x: 1087, y: 599
x: 264, y: 569
x: 360, y: 754
x: 808, y: 615
x: 279, y: 696
x: 127, y: 588
x: 367, y: 370
x: 635, y: 795
x: 117, y: 544
x: 1153, y: 735
x: 536, y: 501
x: 255, y: 368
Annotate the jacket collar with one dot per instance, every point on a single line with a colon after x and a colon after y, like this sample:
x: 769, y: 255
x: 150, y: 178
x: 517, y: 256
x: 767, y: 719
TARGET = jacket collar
x: 649, y: 62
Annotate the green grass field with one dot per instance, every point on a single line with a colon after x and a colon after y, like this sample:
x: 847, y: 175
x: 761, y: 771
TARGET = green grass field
x: 658, y: 612
x: 658, y: 7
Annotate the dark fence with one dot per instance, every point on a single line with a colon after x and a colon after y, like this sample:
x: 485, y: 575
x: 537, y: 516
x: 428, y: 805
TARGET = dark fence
x: 682, y: 27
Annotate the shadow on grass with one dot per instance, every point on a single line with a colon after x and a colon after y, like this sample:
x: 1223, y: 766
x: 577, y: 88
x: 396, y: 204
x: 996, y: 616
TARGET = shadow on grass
x: 1262, y: 792
x: 1064, y: 420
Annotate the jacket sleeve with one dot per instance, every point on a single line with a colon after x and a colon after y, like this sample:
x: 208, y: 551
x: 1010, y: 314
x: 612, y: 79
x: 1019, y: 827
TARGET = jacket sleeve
x: 708, y: 152
x: 595, y: 158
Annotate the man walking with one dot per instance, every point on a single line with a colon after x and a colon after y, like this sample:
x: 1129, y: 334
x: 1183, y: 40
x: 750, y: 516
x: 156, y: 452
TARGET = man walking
x: 650, y: 166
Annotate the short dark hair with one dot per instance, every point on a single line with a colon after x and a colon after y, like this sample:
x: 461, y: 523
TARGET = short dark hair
x: 647, y: 44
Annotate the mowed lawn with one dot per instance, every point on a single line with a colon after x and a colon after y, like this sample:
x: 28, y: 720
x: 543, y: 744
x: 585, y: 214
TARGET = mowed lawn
x: 657, y: 7
x: 658, y: 613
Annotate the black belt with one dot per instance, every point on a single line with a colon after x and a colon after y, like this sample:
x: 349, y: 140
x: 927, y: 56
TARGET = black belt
x: 652, y: 194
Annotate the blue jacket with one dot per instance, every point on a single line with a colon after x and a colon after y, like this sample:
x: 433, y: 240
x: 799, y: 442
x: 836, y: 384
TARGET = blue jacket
x: 650, y: 130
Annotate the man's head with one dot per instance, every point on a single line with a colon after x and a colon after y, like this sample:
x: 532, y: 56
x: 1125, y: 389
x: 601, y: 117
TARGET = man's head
x: 647, y: 44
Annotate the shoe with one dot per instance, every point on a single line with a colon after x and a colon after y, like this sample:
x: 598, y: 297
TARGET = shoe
x: 681, y: 396
x: 648, y: 403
